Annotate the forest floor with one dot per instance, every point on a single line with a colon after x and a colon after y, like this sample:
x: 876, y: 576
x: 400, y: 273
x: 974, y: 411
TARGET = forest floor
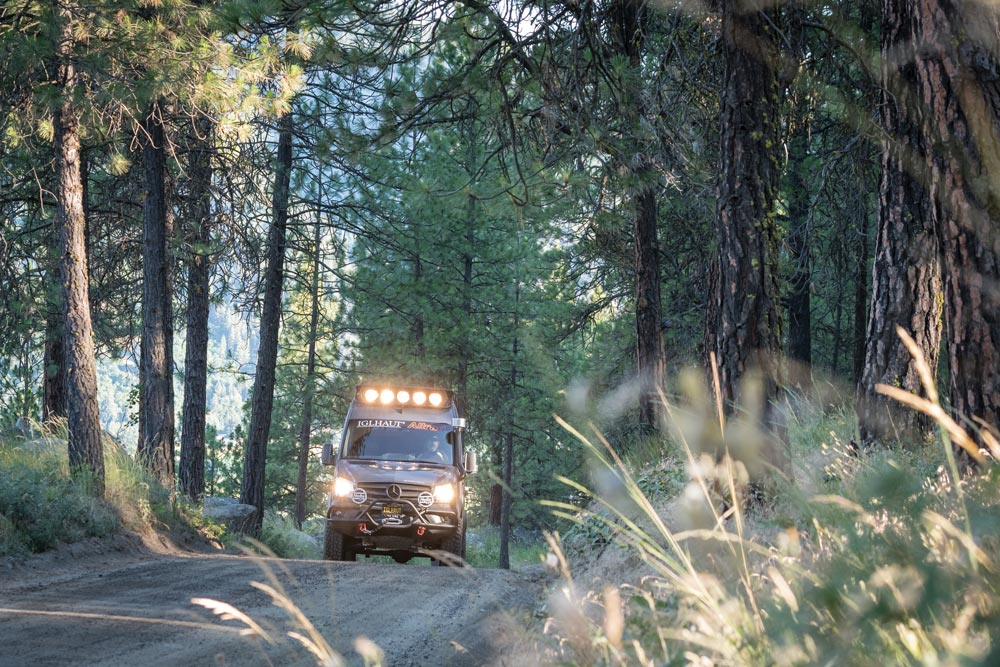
x: 128, y: 601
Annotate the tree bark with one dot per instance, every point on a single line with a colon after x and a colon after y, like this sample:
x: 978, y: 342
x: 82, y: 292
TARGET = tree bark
x: 800, y: 281
x: 86, y: 453
x: 468, y: 259
x: 507, y: 502
x: 860, y: 289
x: 192, y: 463
x: 627, y: 17
x: 906, y: 276
x: 496, y: 490
x: 957, y: 74
x: 508, y: 449
x: 54, y: 360
x: 747, y: 332
x: 648, y: 307
x: 838, y: 329
x: 156, y: 445
x: 255, y: 458
x: 306, y: 428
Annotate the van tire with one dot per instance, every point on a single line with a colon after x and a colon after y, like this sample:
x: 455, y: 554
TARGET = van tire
x: 337, y: 546
x: 454, y: 544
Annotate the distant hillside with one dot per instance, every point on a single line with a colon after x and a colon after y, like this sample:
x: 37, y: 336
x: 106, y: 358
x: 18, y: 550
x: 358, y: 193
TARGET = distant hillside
x: 232, y: 352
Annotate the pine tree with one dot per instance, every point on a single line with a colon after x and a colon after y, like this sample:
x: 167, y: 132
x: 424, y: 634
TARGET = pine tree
x: 745, y: 323
x: 85, y: 448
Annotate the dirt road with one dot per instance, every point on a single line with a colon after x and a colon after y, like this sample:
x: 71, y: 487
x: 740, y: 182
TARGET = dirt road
x: 140, y: 613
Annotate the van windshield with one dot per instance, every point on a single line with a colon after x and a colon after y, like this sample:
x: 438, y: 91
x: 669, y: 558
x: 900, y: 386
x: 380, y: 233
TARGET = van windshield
x: 398, y: 440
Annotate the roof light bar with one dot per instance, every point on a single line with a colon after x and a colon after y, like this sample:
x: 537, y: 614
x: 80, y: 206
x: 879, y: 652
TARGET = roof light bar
x: 382, y: 395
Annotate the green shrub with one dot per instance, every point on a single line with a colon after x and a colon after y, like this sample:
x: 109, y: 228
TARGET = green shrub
x: 280, y: 535
x: 483, y: 548
x: 40, y: 504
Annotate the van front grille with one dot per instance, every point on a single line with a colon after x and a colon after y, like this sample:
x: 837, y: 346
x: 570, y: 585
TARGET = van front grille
x: 382, y: 491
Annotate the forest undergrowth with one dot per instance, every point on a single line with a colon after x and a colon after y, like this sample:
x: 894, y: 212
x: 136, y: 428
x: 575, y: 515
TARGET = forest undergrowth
x: 43, y: 506
x: 881, y: 557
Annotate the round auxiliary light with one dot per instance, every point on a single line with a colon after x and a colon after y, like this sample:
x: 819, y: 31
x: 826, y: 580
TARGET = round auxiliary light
x: 436, y: 399
x: 371, y: 395
x: 402, y: 396
x: 425, y: 499
x: 419, y: 397
x: 387, y: 396
x: 359, y: 496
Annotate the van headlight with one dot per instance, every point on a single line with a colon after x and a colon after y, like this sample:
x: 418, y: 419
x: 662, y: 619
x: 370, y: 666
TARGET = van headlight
x: 444, y: 493
x: 342, y: 487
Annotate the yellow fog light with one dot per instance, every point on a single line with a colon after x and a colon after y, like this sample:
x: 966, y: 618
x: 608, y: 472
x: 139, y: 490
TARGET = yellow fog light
x: 419, y: 397
x: 444, y: 493
x: 436, y: 399
x: 402, y: 396
x: 371, y: 395
x: 342, y: 487
x: 387, y: 396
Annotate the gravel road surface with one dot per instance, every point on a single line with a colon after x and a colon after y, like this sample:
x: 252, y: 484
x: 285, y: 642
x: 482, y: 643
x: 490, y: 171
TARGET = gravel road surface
x: 139, y: 612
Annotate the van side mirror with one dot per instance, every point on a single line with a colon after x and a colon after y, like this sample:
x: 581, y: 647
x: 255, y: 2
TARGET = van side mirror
x: 471, y: 463
x: 327, y: 457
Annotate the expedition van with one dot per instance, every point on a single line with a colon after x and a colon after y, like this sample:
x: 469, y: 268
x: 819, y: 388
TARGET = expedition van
x: 399, y: 473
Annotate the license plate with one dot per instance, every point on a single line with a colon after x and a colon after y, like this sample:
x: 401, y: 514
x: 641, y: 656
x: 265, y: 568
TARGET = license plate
x: 392, y: 510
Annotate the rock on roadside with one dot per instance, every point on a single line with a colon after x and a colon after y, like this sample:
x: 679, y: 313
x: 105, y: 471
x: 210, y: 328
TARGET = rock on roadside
x: 231, y: 513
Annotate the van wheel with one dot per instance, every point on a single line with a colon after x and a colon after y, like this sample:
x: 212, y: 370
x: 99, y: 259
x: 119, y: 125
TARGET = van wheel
x: 454, y: 545
x: 337, y: 546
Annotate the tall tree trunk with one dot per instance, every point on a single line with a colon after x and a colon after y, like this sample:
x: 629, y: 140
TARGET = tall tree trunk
x: 860, y: 287
x: 86, y: 452
x: 156, y: 446
x: 496, y: 490
x: 800, y: 281
x: 627, y: 18
x: 54, y: 359
x: 255, y: 458
x: 508, y: 499
x: 747, y: 332
x: 648, y: 308
x: 468, y: 259
x: 906, y: 276
x: 508, y: 448
x: 192, y: 463
x: 306, y: 427
x: 838, y: 329
x: 956, y: 67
